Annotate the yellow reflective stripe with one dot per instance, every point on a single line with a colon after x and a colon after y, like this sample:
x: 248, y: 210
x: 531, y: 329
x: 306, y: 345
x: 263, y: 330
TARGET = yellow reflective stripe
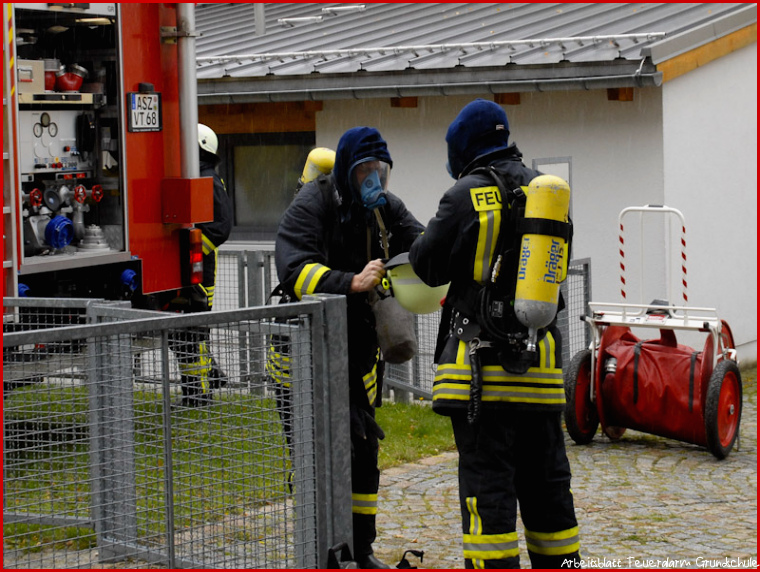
x: 453, y: 371
x: 209, y: 293
x: 476, y: 527
x: 479, y: 547
x: 308, y: 279
x: 460, y: 392
x: 463, y: 356
x: 208, y: 246
x: 534, y: 375
x: 364, y: 503
x: 553, y: 543
x: 547, y: 352
x: 542, y: 384
x: 488, y: 232
x: 278, y: 367
x: 490, y: 546
x: 201, y: 368
x: 459, y: 370
x: 370, y: 380
x: 512, y: 393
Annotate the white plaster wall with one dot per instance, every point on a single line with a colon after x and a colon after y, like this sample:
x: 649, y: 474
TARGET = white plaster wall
x: 710, y: 150
x: 615, y: 147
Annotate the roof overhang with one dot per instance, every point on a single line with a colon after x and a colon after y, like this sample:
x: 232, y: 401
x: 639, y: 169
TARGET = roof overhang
x: 678, y: 44
x: 410, y: 83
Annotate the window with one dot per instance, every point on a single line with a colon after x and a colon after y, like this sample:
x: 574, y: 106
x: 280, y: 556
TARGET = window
x: 261, y: 172
x: 560, y: 167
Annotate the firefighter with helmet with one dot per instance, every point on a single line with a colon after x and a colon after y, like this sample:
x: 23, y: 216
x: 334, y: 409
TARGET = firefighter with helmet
x: 511, y: 447
x: 199, y: 371
x: 329, y: 240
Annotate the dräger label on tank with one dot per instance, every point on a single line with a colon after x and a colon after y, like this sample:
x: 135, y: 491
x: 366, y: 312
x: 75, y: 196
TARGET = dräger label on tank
x: 553, y: 263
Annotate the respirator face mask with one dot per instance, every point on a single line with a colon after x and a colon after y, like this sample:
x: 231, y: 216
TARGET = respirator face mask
x: 369, y: 180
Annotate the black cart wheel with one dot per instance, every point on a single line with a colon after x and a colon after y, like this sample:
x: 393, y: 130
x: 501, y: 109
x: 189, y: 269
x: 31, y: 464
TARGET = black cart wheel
x: 581, y: 416
x: 723, y: 408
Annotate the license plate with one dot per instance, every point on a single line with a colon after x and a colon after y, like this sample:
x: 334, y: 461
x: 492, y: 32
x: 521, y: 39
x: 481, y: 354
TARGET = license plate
x: 144, y: 112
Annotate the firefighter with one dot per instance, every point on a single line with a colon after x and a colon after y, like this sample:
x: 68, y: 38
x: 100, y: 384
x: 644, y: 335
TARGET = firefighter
x: 511, y: 448
x: 329, y: 240
x: 199, y: 372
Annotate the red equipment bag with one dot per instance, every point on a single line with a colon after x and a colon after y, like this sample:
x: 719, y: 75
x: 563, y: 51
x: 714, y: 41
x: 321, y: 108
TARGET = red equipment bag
x: 658, y: 386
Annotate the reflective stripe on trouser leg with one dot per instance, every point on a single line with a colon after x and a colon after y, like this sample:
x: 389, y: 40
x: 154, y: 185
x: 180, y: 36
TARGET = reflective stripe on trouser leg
x: 363, y: 504
x: 279, y: 360
x: 370, y: 381
x: 479, y: 547
x: 559, y: 549
x: 199, y: 369
x: 365, y: 481
x: 486, y: 491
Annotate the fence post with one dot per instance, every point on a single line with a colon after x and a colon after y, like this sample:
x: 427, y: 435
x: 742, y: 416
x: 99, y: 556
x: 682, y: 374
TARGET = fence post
x: 332, y: 426
x: 256, y: 297
x: 112, y: 437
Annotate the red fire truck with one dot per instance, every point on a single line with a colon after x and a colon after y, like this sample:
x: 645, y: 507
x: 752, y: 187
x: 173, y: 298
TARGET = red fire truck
x: 101, y: 182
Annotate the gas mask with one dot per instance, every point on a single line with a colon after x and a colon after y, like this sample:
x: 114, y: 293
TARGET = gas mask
x: 369, y: 180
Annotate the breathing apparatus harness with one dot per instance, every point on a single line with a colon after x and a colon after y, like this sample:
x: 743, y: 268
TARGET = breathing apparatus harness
x: 496, y: 325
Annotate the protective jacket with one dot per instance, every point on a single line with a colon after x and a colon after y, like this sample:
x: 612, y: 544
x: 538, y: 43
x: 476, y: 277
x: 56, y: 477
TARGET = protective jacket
x: 458, y: 247
x: 322, y: 242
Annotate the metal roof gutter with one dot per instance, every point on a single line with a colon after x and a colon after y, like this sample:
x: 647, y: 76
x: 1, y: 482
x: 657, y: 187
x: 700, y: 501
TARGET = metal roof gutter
x: 365, y: 85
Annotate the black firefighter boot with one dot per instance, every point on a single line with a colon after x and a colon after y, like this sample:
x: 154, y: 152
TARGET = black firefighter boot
x: 364, y: 536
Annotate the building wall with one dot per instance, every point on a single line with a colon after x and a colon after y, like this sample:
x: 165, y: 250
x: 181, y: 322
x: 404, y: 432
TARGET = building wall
x: 615, y: 149
x: 710, y: 150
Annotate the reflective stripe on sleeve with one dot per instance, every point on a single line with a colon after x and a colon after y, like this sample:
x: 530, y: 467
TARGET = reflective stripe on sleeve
x: 208, y: 246
x: 308, y: 279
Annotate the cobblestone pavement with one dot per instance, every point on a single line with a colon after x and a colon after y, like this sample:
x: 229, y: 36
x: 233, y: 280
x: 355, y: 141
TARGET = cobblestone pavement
x: 643, y: 501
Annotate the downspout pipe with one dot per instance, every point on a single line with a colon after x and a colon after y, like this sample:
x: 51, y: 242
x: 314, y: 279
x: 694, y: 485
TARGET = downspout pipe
x: 188, y: 91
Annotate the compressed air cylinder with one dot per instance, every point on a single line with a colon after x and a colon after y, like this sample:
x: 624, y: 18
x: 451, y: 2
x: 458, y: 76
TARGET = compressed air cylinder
x: 320, y: 161
x: 543, y: 258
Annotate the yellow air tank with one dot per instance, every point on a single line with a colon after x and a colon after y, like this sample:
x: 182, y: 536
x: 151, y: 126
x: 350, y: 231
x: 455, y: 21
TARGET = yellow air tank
x: 543, y: 258
x: 320, y: 161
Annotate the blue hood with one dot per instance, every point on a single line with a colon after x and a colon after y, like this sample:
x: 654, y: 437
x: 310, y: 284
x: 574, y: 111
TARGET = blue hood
x: 356, y: 145
x: 480, y: 128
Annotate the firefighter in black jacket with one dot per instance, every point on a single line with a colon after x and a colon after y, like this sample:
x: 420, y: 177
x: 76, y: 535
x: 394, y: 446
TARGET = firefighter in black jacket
x: 513, y: 449
x: 329, y: 241
x: 199, y: 372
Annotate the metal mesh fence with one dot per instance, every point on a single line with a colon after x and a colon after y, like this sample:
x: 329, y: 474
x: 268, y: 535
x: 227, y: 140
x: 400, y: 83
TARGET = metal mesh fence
x: 250, y: 276
x: 159, y: 442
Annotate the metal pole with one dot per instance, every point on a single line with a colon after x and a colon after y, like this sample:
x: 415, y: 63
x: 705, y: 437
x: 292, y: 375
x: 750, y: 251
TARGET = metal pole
x: 260, y: 19
x: 188, y: 91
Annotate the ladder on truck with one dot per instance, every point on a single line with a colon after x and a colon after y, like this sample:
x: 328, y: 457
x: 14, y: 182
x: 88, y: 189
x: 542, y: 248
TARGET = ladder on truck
x: 10, y: 247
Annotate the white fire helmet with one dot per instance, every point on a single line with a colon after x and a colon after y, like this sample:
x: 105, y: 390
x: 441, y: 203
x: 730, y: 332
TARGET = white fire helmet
x: 207, y: 139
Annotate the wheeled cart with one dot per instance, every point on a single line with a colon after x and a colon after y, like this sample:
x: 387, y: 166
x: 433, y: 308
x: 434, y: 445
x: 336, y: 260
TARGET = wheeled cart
x: 656, y: 386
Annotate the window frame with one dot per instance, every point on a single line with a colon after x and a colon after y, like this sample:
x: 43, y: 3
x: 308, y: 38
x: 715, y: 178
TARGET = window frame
x: 227, y: 145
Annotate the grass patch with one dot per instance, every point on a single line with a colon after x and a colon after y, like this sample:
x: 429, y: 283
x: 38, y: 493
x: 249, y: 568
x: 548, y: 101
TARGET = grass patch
x: 225, y: 459
x: 33, y: 537
x: 412, y: 432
